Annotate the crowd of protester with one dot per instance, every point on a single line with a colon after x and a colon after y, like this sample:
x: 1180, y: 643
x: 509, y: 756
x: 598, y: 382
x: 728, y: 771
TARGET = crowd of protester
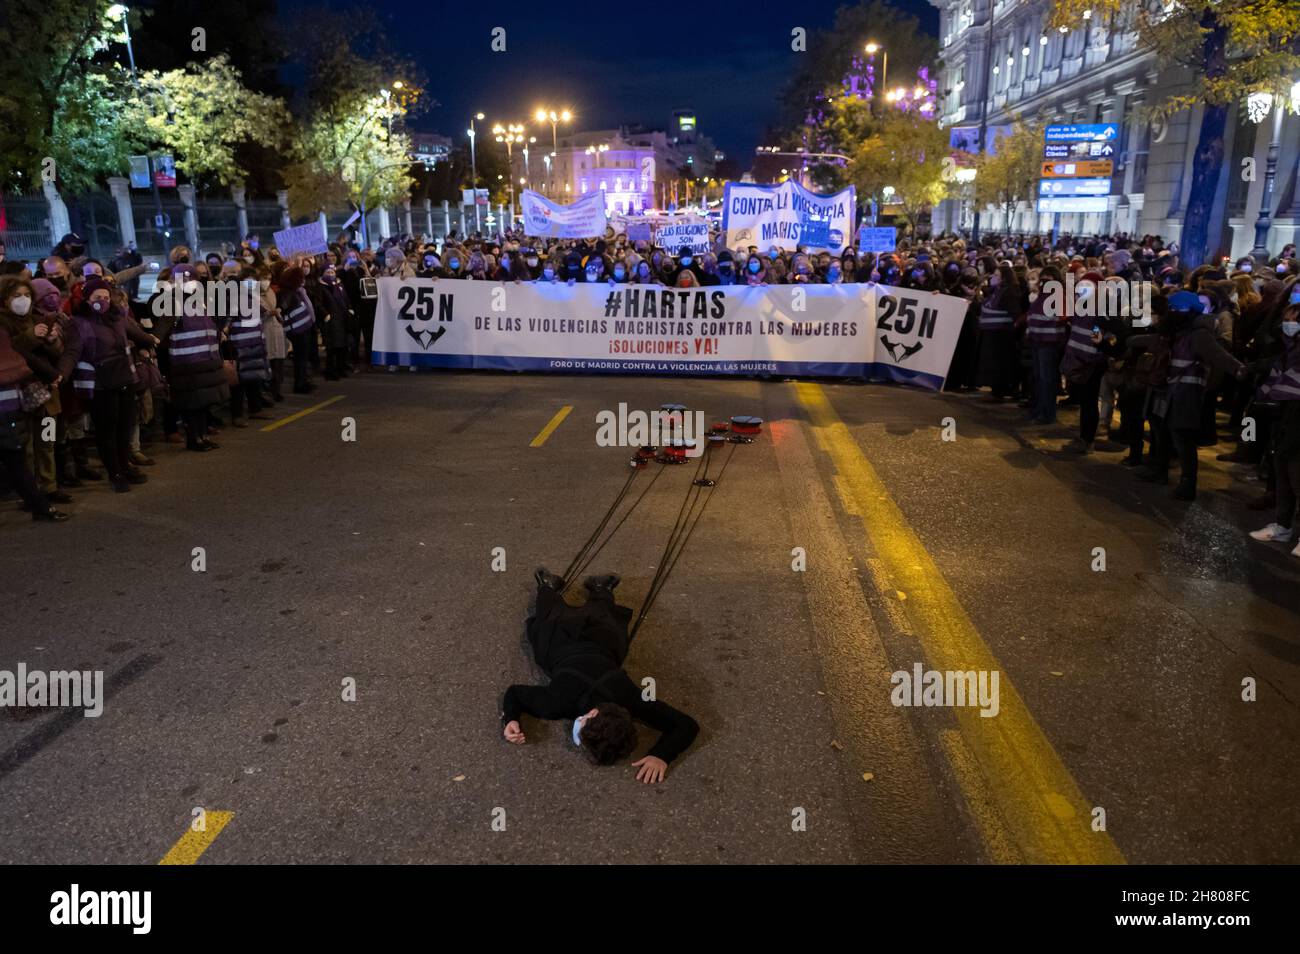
x: 78, y: 349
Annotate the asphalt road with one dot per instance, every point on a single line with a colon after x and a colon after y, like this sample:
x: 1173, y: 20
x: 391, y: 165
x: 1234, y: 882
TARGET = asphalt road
x: 1121, y: 732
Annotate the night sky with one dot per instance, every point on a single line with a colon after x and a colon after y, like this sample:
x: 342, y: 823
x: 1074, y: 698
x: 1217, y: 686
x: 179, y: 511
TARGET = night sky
x: 610, y: 63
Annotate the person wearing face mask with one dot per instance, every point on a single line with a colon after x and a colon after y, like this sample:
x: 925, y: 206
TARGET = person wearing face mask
x: 618, y: 275
x: 277, y: 345
x: 1279, y: 396
x: 999, y: 360
x: 251, y: 363
x: 1193, y: 354
x: 32, y: 337
x: 51, y: 324
x: 755, y: 271
x: 643, y: 274
x: 335, y: 316
x: 15, y: 374
x: 727, y: 271
x: 195, y: 370
x: 582, y: 650
x: 298, y: 318
x: 430, y: 266
x: 98, y: 362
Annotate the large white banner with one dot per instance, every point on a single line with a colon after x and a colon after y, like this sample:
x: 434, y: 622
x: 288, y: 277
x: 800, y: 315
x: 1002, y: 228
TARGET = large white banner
x: 787, y: 216
x: 584, y: 218
x: 872, y: 331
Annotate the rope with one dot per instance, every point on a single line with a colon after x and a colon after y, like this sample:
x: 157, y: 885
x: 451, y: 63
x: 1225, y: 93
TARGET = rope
x: 670, y: 557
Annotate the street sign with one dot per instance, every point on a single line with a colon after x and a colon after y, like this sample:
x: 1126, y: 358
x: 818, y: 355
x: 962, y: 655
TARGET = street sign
x: 1074, y: 203
x: 1086, y: 132
x: 1087, y: 167
x: 1074, y: 186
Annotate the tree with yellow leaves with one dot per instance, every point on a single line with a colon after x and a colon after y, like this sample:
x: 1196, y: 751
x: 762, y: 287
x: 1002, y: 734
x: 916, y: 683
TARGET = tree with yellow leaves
x: 1232, y: 47
x: 905, y: 154
x: 1009, y: 173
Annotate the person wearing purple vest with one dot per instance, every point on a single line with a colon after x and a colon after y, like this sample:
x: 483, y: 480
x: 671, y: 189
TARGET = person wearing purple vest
x: 1282, y: 389
x: 100, y: 365
x: 249, y: 341
x: 194, y: 370
x: 298, y: 318
x: 1045, y: 334
x: 1192, y: 354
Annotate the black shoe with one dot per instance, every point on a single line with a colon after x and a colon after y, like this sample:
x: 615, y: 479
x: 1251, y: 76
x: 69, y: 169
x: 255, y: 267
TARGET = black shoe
x: 210, y: 445
x: 58, y: 496
x: 546, y: 578
x: 1131, y: 462
x: 135, y: 477
x: 303, y: 389
x: 120, y: 485
x: 1153, y: 475
x: 88, y: 473
x: 198, y: 448
x: 51, y: 516
x: 607, y: 583
x: 1183, y: 492
x: 70, y: 481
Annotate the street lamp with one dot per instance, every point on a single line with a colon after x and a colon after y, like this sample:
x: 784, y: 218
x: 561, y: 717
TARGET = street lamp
x: 549, y: 115
x: 1258, y: 106
x: 872, y: 48
x: 528, y: 169
x: 473, y: 169
x: 510, y: 135
x: 120, y: 12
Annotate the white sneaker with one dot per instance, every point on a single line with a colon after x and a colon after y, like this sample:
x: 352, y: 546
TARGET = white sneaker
x: 1273, y: 533
x: 1296, y: 551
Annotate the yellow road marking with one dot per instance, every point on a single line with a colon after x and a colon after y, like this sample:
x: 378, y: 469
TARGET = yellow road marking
x: 549, y: 429
x: 193, y: 843
x: 1035, y: 795
x: 293, y: 417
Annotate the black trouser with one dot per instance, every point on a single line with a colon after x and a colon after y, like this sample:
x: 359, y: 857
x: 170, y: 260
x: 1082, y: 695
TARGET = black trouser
x: 250, y: 391
x: 277, y: 377
x: 302, y: 344
x: 114, y: 415
x: 196, y: 426
x: 1088, y: 393
x: 14, y: 463
x: 602, y: 621
x: 314, y: 339
x: 1185, y: 445
x: 336, y: 362
x: 1131, y: 421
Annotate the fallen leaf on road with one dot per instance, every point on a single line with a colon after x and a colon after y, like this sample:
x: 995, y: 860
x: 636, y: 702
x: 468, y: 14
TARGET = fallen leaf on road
x: 458, y: 778
x: 835, y: 745
x: 1055, y: 673
x: 867, y: 776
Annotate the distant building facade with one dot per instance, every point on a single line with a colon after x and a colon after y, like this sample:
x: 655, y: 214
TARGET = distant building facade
x: 1001, y: 56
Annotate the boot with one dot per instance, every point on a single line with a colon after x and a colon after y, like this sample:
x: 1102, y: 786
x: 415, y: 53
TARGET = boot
x: 596, y: 585
x: 1183, y: 491
x: 80, y: 455
x: 546, y: 578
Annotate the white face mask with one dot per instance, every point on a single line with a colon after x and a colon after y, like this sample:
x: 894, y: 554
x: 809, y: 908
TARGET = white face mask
x: 1291, y: 328
x: 577, y: 729
x: 21, y: 305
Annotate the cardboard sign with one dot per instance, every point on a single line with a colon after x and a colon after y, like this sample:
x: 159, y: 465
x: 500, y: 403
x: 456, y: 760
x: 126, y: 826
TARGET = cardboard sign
x: 306, y: 239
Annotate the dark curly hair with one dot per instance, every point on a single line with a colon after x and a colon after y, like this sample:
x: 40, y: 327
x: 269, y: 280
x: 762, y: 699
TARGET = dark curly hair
x: 609, y: 736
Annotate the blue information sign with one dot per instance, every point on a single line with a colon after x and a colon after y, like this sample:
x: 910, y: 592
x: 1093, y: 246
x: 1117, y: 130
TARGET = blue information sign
x: 1086, y: 132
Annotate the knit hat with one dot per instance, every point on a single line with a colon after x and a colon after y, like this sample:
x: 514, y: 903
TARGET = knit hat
x: 92, y: 285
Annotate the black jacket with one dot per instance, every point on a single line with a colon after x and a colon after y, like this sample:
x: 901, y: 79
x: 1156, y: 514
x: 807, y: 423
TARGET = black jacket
x: 582, y: 649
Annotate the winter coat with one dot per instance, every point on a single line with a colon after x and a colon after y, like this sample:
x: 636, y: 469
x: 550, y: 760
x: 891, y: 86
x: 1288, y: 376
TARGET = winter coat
x: 277, y: 347
x: 194, y: 367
